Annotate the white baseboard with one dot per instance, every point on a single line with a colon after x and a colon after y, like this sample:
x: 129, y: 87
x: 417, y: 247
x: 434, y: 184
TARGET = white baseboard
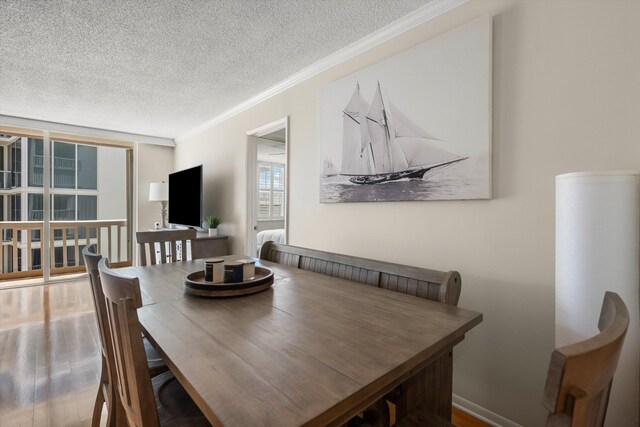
x: 481, y: 413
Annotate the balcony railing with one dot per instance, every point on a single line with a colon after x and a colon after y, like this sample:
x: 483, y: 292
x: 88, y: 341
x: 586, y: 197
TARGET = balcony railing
x: 36, y: 179
x: 22, y: 247
x: 60, y: 214
x: 58, y: 162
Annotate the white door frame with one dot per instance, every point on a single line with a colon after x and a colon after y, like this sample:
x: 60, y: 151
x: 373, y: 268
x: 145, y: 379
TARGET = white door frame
x: 252, y: 163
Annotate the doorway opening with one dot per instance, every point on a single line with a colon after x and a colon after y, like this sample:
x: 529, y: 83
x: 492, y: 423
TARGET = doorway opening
x: 267, y: 185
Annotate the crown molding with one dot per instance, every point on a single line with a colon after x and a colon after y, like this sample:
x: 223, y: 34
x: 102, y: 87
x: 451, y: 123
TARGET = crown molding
x: 22, y: 122
x: 414, y: 19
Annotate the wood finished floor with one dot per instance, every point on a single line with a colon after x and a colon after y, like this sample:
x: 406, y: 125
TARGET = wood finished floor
x: 49, y: 357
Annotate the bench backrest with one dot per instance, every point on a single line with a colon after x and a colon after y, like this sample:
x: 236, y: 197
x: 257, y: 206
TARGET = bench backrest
x: 433, y: 285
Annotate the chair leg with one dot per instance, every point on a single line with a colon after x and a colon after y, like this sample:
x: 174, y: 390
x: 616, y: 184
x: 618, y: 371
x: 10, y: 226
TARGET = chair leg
x: 100, y: 398
x: 377, y: 415
x: 110, y: 398
x: 431, y: 387
x: 120, y: 415
x: 97, y: 408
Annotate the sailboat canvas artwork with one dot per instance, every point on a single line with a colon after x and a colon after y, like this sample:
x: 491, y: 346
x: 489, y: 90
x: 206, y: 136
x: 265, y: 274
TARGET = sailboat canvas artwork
x: 416, y: 126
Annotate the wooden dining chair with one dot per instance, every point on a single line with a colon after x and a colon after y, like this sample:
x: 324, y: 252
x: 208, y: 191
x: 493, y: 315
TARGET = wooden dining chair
x: 147, y: 244
x: 106, y: 392
x: 580, y: 375
x: 144, y: 403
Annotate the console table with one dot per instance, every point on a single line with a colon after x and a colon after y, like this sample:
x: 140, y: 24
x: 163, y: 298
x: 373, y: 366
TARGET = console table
x: 203, y: 246
x: 206, y: 247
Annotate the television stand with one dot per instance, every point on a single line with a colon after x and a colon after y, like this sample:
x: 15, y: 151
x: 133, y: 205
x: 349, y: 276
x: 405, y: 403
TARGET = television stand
x: 205, y: 246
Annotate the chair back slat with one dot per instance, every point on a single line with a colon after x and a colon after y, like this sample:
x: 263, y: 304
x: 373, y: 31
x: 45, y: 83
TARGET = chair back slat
x: 147, y: 243
x: 122, y: 297
x: 143, y: 255
x: 91, y: 259
x: 580, y: 375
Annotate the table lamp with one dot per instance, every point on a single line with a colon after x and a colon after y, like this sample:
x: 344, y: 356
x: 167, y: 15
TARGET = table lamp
x: 159, y: 192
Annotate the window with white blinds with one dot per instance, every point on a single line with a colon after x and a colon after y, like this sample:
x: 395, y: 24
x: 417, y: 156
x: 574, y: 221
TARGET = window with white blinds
x: 270, y: 191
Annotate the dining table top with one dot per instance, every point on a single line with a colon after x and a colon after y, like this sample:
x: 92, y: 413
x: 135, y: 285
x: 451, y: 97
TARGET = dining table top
x: 310, y: 350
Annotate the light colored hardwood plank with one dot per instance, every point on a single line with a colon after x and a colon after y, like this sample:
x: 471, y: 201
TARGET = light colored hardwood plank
x: 49, y: 363
x: 462, y: 419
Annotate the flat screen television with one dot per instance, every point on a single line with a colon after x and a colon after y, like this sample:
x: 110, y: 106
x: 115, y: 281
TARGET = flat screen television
x: 185, y: 197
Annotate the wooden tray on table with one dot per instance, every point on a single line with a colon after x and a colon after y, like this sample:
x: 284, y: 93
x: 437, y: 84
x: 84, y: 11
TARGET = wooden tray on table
x: 195, y: 284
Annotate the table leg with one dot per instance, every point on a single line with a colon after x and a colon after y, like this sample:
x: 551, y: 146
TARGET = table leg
x: 432, y: 386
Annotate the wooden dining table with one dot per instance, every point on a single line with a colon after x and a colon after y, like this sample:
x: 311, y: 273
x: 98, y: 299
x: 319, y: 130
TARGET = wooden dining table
x: 310, y: 350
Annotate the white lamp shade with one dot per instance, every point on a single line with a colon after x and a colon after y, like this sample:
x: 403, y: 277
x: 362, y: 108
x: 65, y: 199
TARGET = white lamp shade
x: 598, y: 250
x: 158, y: 192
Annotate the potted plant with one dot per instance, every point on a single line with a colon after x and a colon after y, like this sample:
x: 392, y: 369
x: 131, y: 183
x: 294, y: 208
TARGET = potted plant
x: 213, y: 222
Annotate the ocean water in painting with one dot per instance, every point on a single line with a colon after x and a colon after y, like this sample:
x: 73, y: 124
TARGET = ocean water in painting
x: 464, y: 180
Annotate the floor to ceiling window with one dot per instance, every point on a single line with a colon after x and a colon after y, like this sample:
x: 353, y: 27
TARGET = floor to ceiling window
x: 88, y: 202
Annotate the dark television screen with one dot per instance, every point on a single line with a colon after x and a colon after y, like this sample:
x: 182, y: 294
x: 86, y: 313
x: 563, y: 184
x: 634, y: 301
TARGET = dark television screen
x: 185, y: 197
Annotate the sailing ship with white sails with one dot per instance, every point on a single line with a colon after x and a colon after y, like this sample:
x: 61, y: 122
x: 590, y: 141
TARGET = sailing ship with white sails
x: 384, y: 145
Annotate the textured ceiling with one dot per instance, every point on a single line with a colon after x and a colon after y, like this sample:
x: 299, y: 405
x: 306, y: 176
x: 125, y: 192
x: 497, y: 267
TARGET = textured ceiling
x: 161, y: 68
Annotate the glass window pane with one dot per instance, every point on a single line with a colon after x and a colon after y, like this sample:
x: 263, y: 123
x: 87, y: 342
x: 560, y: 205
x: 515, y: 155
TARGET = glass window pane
x: 36, y: 162
x: 64, y: 165
x: 36, y: 207
x: 87, y: 167
x: 57, y: 257
x: 71, y: 256
x: 87, y: 208
x: 16, y: 163
x: 278, y: 204
x: 64, y: 207
x: 3, y: 170
x: 264, y: 177
x: 278, y: 178
x: 264, y: 201
x: 36, y: 259
x: 16, y: 201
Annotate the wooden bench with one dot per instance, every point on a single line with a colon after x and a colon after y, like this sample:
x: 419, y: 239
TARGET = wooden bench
x: 439, y: 286
x: 433, y: 285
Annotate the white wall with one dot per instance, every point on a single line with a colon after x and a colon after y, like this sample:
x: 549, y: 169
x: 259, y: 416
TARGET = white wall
x: 566, y: 97
x: 112, y: 183
x: 154, y: 164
